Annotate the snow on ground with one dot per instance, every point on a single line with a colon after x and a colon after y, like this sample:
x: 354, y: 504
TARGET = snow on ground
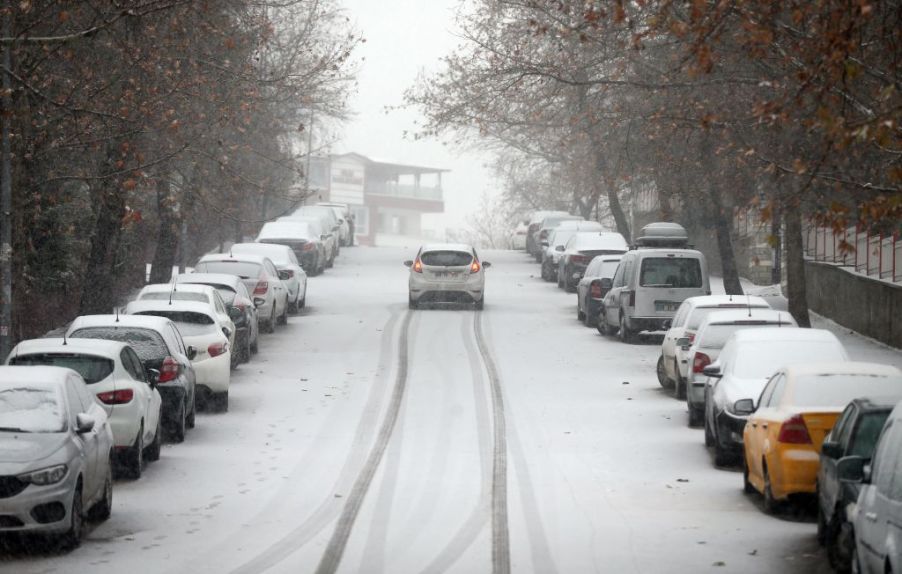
x: 603, y: 473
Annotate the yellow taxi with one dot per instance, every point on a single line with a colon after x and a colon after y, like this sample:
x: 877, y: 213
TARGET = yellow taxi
x: 798, y: 407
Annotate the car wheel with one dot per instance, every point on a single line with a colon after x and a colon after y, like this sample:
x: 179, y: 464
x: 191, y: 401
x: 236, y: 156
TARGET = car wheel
x: 283, y: 318
x: 696, y: 416
x: 255, y: 346
x: 246, y: 350
x: 821, y: 526
x: 580, y: 316
x: 302, y: 302
x: 722, y: 457
x: 747, y: 486
x: 220, y: 402
x: 856, y: 564
x: 177, y: 432
x: 153, y: 450
x: 771, y: 505
x: 679, y: 386
x: 72, y: 537
x: 626, y: 335
x: 104, y: 507
x: 271, y: 322
x: 663, y: 379
x: 411, y: 304
x: 191, y: 416
x: 560, y: 279
x: 134, y: 456
x: 840, y: 547
x: 601, y: 324
x: 709, y: 436
x: 480, y: 305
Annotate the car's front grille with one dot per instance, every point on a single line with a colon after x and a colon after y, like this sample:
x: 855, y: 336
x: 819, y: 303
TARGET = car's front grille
x: 11, y: 486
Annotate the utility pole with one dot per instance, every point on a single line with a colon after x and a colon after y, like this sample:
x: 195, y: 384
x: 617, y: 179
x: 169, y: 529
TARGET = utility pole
x: 6, y: 247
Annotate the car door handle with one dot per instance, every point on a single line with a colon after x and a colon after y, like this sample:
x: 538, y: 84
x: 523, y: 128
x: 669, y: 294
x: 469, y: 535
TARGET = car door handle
x: 872, y: 516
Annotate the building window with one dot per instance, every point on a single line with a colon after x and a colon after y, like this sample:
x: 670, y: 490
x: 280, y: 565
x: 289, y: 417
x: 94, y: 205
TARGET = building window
x: 361, y: 219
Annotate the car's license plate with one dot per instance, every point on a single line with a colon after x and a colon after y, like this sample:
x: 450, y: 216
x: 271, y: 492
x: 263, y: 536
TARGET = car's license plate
x: 666, y: 305
x: 446, y: 275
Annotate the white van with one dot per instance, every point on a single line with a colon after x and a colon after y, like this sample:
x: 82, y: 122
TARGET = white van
x: 651, y: 282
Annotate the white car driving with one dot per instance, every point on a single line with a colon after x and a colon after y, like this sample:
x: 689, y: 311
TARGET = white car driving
x: 115, y: 375
x: 447, y: 272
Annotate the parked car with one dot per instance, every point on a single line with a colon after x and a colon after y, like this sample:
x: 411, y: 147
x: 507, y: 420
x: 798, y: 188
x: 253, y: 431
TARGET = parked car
x: 535, y: 221
x: 672, y: 364
x: 345, y: 221
x: 198, y: 293
x: 447, y: 272
x: 160, y: 348
x: 260, y: 277
x: 200, y: 329
x: 553, y: 247
x: 312, y: 245
x: 288, y: 266
x: 591, y: 289
x: 548, y: 225
x: 877, y: 514
x: 855, y: 434
x: 580, y: 249
x: 748, y: 360
x: 240, y: 304
x: 518, y: 235
x: 713, y: 334
x: 56, y: 450
x: 330, y: 224
x: 651, y: 283
x: 115, y: 375
x: 794, y: 413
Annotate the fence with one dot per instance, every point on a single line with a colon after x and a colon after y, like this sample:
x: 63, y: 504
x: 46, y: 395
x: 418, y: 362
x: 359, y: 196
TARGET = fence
x: 874, y: 255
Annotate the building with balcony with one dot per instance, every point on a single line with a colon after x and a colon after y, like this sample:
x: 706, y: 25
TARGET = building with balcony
x: 386, y: 198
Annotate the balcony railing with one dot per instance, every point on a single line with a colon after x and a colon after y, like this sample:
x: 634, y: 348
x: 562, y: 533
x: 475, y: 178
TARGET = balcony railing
x: 407, y: 191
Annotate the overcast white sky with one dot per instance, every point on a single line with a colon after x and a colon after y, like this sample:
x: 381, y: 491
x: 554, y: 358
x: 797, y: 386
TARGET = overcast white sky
x: 404, y: 37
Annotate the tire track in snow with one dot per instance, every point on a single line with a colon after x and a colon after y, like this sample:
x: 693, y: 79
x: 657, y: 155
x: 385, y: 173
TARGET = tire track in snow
x: 330, y: 507
x: 335, y: 549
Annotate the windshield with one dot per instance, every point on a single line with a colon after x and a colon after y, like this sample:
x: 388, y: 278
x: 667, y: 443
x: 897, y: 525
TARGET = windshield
x: 676, y: 272
x: 760, y: 359
x: 831, y: 390
x: 149, y: 344
x: 243, y: 269
x: 30, y: 409
x: 174, y: 296
x: 446, y: 258
x: 92, y: 368
x: 189, y: 323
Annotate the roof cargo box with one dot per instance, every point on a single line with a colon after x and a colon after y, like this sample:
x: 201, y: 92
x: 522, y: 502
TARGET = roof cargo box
x: 662, y: 234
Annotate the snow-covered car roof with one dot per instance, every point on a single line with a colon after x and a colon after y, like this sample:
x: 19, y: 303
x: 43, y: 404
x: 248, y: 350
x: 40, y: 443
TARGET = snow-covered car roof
x: 167, y: 287
x: 99, y: 347
x: 538, y: 216
x: 37, y: 376
x: 446, y: 247
x: 742, y: 301
x: 602, y: 240
x: 142, y: 321
x: 286, y: 229
x: 845, y: 368
x: 258, y: 259
x: 579, y: 225
x: 265, y: 249
x: 742, y: 314
x: 162, y: 305
x: 208, y: 278
x: 777, y: 334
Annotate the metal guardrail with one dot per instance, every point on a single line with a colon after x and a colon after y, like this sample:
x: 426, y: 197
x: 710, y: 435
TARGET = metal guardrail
x: 874, y: 255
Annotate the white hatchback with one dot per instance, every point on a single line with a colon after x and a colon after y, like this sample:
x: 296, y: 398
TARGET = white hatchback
x: 447, y: 272
x: 115, y: 375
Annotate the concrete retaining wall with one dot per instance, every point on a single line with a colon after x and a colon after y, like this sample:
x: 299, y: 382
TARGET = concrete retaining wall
x: 868, y: 306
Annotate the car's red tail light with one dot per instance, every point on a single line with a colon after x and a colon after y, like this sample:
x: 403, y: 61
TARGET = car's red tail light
x: 595, y: 289
x: 691, y: 336
x: 475, y: 267
x: 579, y: 259
x: 309, y: 247
x: 700, y: 361
x: 216, y: 349
x: 119, y: 397
x: 261, y: 288
x: 418, y: 266
x: 169, y: 371
x: 794, y: 431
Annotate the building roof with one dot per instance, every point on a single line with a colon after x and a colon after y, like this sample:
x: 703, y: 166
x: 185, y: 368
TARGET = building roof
x: 391, y: 165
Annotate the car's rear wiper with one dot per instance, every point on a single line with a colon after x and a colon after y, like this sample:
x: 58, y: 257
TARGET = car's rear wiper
x: 12, y: 429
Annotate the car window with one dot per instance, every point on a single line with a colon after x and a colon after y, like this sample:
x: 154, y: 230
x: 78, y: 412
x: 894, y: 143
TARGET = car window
x: 867, y: 432
x: 178, y: 337
x: 126, y: 357
x: 768, y: 392
x: 681, y: 313
x: 843, y: 427
x: 92, y: 368
x: 88, y: 399
x: 679, y: 272
x: 243, y: 269
x: 292, y: 258
x: 593, y: 267
x: 75, y: 405
x: 32, y: 408
x: 895, y: 488
x: 188, y: 322
x: 779, y: 390
x: 217, y: 301
x: 884, y: 458
x: 628, y: 272
x: 175, y: 295
x: 271, y: 269
x: 618, y: 276
x: 446, y: 258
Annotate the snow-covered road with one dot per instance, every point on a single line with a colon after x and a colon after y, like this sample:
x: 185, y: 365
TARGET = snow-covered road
x: 346, y: 448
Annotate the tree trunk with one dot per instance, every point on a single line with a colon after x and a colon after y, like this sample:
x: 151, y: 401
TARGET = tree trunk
x: 723, y: 227
x: 795, y: 267
x: 97, y: 293
x: 167, y: 234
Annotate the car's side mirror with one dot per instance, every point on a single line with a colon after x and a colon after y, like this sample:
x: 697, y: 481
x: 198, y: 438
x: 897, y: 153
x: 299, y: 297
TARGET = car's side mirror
x: 712, y: 370
x: 744, y: 407
x: 227, y: 332
x: 408, y: 263
x: 606, y: 283
x: 684, y: 343
x: 259, y: 301
x: 486, y: 264
x: 84, y: 423
x: 831, y: 449
x: 284, y: 275
x: 853, y: 469
x: 559, y: 248
x: 153, y: 377
x: 235, y: 314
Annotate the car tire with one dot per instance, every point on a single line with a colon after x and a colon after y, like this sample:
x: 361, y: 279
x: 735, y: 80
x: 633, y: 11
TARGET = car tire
x: 855, y: 563
x: 580, y: 316
x: 72, y: 537
x: 601, y: 324
x: 589, y: 319
x: 246, y: 351
x: 626, y: 335
x: 255, y: 346
x: 190, y: 418
x: 134, y: 456
x: 302, y: 302
x: 152, y: 452
x: 560, y: 279
x: 104, y: 507
x: 696, y: 416
x: 771, y: 504
x: 283, y: 318
x: 709, y: 436
x: 679, y: 385
x: 220, y: 402
x: 179, y: 426
x: 480, y: 305
x: 270, y: 325
x: 411, y: 304
x: 663, y: 379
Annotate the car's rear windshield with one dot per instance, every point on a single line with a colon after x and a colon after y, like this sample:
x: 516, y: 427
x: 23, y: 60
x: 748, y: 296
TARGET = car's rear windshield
x: 174, y: 295
x: 698, y: 315
x: 551, y: 222
x: 243, y: 269
x: 188, y: 322
x: 715, y: 336
x: 561, y: 237
x: 92, y: 368
x: 836, y: 390
x: 674, y: 272
x: 149, y: 344
x: 446, y: 258
x: 31, y: 409
x: 865, y: 438
x: 760, y: 359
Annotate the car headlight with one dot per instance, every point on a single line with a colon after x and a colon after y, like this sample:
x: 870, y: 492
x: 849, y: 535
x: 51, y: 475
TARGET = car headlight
x: 45, y: 476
